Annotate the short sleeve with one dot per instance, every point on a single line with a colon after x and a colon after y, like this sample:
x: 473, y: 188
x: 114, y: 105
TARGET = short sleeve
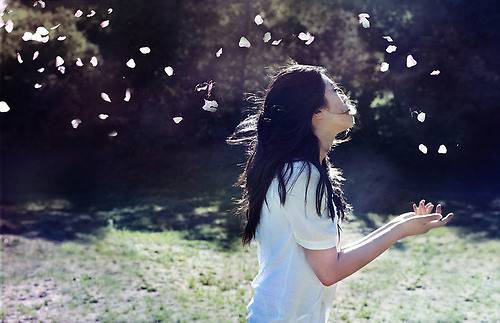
x: 309, y: 229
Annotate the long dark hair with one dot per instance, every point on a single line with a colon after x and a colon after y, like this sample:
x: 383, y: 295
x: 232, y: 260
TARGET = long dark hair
x: 278, y: 132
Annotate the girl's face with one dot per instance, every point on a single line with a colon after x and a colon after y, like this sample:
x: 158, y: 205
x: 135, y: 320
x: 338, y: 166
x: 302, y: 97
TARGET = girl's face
x: 334, y: 117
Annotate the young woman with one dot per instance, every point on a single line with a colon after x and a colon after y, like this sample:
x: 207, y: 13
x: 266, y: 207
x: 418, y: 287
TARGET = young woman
x: 293, y: 202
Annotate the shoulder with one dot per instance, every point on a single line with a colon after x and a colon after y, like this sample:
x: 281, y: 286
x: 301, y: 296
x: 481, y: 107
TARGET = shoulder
x: 297, y: 174
x: 301, y: 166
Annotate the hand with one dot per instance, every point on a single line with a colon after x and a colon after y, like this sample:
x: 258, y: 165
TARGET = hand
x: 421, y: 210
x: 424, y: 209
x: 423, y: 222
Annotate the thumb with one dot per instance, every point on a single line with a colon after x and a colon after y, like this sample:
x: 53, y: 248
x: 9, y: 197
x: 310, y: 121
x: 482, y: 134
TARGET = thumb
x: 435, y: 216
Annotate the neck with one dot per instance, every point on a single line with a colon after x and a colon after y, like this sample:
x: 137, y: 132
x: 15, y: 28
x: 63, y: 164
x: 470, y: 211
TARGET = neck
x: 322, y: 155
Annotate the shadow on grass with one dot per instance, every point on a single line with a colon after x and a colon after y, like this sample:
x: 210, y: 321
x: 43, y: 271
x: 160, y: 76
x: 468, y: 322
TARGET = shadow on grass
x: 199, y: 202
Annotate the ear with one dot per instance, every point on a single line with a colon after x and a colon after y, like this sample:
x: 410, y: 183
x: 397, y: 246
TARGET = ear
x: 318, y: 114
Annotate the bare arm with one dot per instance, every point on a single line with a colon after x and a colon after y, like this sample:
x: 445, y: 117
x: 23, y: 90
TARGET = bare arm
x: 352, y: 258
x: 374, y: 233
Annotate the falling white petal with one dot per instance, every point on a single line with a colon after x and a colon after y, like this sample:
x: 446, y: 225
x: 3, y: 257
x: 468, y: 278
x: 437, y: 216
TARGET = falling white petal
x: 110, y: 10
x: 363, y: 20
x: 384, y: 67
x: 442, y: 149
x: 27, y: 36
x: 435, y: 72
x: 169, y: 70
x: 276, y: 42
x: 422, y: 148
x: 177, y: 119
x: 410, y: 61
x: 19, y: 58
x: 40, y: 70
x: 113, y: 134
x: 244, y: 42
x: 421, y: 117
x: 127, y: 95
x: 4, y: 107
x: 61, y: 69
x: 267, y: 37
x: 103, y: 116
x: 78, y: 13
x: 9, y: 26
x: 201, y: 87
x: 307, y: 37
x: 93, y: 61
x: 79, y: 62
x: 42, y: 31
x: 35, y: 55
x: 210, y: 105
x: 304, y: 36
x: 391, y: 49
x: 61, y: 38
x: 55, y: 27
x: 131, y: 63
x: 37, y: 86
x: 59, y: 61
x: 75, y: 123
x: 105, y: 97
x: 388, y: 38
x: 104, y: 24
x: 258, y: 20
x: 92, y: 12
x: 219, y: 52
x: 145, y: 50
x: 40, y: 2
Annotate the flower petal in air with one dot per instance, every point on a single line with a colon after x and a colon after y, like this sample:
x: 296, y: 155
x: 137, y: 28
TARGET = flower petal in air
x: 267, y: 37
x: 131, y: 63
x: 244, y: 42
x: 258, y: 20
x: 210, y: 105
x: 384, y: 67
x: 169, y: 70
x: 391, y: 49
x: 410, y: 61
x: 4, y: 107
x: 105, y: 97
x: 75, y: 123
x: 127, y: 95
x: 59, y: 61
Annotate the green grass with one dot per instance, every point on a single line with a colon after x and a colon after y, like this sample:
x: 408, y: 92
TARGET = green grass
x: 125, y: 275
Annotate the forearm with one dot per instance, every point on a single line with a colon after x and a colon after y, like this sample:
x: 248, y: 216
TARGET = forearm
x: 351, y: 259
x: 373, y: 233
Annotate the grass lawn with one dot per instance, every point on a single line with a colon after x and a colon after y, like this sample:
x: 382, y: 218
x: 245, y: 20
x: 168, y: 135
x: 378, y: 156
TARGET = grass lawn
x: 133, y: 276
x: 149, y: 243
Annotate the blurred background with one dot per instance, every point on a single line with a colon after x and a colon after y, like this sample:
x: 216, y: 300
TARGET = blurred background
x: 104, y: 125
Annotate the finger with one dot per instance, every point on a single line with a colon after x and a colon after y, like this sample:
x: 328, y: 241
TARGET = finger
x: 438, y: 208
x: 421, y: 206
x: 414, y: 208
x: 439, y: 223
x: 429, y: 207
x: 447, y: 218
x: 431, y: 217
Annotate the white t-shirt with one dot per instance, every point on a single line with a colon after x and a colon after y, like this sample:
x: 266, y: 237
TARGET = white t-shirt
x: 286, y: 289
